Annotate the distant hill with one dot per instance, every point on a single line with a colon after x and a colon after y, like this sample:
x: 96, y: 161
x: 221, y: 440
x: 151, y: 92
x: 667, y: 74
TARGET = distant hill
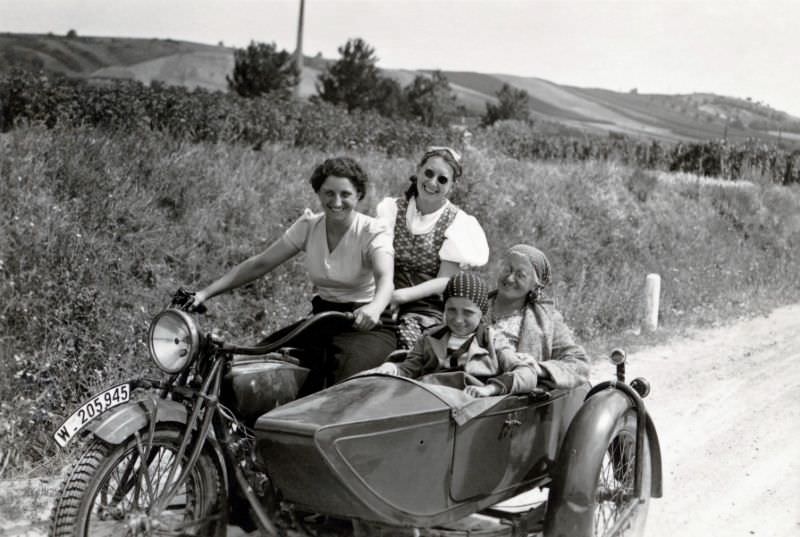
x: 692, y: 117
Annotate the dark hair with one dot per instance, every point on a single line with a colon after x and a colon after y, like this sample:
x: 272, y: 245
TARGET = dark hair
x: 341, y: 167
x: 451, y: 158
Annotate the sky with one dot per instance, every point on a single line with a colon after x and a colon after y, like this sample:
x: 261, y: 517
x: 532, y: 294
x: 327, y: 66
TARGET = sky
x: 729, y: 47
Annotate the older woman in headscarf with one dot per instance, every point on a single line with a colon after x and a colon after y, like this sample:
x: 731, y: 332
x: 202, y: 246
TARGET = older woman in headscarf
x: 530, y: 323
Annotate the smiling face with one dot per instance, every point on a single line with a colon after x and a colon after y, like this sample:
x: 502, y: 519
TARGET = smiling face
x: 461, y: 315
x: 338, y: 197
x: 434, y: 180
x: 516, y: 278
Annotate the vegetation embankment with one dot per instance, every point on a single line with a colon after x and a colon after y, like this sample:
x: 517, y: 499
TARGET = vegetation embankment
x: 202, y: 116
x: 98, y: 229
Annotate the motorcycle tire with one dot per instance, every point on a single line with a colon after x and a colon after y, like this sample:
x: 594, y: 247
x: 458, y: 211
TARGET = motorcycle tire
x: 107, y: 493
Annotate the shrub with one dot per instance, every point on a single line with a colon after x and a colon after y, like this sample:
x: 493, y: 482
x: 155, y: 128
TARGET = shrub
x: 512, y: 103
x: 261, y: 69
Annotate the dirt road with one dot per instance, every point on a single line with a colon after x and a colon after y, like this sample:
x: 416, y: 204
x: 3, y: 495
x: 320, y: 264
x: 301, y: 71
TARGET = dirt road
x: 726, y: 403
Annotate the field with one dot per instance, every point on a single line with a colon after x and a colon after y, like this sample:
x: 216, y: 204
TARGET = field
x: 98, y: 229
x: 671, y: 118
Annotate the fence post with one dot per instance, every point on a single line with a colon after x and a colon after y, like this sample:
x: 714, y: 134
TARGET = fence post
x: 652, y: 293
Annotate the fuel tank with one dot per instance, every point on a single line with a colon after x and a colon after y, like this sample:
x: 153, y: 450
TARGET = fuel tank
x: 254, y: 386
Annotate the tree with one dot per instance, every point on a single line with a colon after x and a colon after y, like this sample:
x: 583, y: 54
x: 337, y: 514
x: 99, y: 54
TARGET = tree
x: 390, y: 100
x: 431, y: 100
x: 353, y: 80
x: 512, y: 104
x: 261, y: 69
x: 72, y: 34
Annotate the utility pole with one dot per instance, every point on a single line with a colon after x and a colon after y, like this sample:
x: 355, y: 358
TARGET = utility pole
x: 298, y: 53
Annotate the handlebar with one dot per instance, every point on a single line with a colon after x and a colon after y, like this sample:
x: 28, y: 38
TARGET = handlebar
x: 183, y: 299
x: 280, y: 342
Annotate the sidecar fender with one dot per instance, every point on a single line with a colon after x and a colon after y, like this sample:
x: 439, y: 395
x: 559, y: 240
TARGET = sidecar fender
x: 586, y: 440
x: 125, y: 420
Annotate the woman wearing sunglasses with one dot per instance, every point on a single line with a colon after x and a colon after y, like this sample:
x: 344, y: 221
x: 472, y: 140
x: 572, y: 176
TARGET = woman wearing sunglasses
x: 433, y: 239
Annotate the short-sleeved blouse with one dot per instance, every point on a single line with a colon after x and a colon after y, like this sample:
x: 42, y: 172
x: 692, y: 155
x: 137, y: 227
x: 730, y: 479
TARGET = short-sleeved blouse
x: 346, y: 273
x: 464, y: 240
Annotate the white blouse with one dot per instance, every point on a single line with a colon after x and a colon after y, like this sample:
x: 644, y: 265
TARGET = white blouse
x: 464, y: 240
x: 346, y: 273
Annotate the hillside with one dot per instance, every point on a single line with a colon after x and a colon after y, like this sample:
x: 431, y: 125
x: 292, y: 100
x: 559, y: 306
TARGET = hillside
x: 664, y: 117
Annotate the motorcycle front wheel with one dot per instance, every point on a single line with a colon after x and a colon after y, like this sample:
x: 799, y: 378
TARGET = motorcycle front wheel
x: 111, y: 491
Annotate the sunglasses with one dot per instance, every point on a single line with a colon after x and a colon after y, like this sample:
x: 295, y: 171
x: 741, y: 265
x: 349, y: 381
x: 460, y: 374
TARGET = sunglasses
x: 442, y: 179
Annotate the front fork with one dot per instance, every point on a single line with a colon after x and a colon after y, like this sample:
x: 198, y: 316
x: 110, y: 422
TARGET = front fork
x: 205, y: 418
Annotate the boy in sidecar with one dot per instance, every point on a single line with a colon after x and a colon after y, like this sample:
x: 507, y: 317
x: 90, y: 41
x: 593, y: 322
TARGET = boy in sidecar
x: 464, y: 352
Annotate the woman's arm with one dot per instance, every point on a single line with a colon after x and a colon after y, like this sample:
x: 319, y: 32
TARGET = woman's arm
x: 518, y: 372
x: 568, y: 365
x: 368, y: 315
x: 248, y: 270
x: 434, y: 286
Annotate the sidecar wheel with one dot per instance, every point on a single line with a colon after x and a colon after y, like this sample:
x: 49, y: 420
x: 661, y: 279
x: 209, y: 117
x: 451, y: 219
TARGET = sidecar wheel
x: 109, y: 494
x: 616, y: 511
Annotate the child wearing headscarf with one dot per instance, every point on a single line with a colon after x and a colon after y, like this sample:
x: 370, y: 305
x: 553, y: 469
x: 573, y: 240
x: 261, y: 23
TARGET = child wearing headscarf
x: 465, y: 344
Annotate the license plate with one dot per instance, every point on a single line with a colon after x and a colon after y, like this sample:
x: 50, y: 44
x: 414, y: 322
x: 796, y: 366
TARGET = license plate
x: 91, y: 409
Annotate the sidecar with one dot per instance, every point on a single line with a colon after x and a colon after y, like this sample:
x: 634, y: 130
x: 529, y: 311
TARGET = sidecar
x: 405, y: 453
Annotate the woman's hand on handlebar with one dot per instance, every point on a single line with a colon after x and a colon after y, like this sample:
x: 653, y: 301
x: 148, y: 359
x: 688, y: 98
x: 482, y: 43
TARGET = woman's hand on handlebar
x: 367, y: 317
x: 199, y: 298
x: 189, y: 301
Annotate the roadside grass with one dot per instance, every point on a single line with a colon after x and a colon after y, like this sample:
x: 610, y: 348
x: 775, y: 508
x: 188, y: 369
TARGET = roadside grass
x: 98, y: 230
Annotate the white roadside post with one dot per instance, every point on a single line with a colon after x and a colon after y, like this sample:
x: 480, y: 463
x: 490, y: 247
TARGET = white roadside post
x: 652, y: 293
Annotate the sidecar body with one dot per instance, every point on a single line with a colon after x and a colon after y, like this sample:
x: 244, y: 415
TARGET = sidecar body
x: 401, y: 452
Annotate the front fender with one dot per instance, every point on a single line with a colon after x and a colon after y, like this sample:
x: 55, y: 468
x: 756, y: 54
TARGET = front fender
x: 584, y: 445
x: 125, y: 420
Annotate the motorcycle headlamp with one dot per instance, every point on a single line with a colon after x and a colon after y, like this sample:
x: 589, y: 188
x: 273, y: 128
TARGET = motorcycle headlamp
x: 173, y: 340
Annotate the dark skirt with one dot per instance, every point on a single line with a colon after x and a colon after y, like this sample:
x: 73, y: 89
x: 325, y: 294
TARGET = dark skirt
x: 333, y: 350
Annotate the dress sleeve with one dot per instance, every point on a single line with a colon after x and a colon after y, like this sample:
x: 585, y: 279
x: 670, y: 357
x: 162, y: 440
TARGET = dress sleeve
x: 465, y: 242
x: 297, y: 234
x: 386, y: 212
x: 379, y: 240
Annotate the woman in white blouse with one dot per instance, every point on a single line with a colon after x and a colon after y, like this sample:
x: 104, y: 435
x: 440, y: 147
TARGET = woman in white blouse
x: 433, y: 239
x: 349, y: 258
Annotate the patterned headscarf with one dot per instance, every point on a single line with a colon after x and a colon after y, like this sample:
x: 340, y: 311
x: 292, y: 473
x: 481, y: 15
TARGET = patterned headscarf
x: 537, y: 260
x: 468, y: 285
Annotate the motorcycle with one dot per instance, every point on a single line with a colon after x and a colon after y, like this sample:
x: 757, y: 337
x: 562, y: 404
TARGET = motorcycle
x: 224, y: 439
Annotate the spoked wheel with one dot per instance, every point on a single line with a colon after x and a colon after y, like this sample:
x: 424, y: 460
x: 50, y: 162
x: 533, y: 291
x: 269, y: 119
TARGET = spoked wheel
x: 112, y: 491
x: 617, y: 512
